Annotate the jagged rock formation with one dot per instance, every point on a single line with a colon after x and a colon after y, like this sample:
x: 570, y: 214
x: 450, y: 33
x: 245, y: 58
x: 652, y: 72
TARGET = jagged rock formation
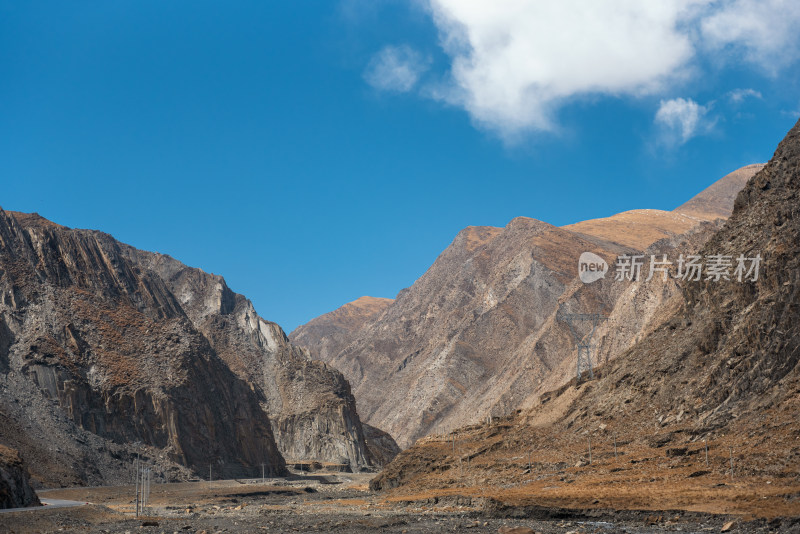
x: 477, y: 334
x: 106, y: 346
x: 722, y: 365
x: 15, y: 488
x: 326, y: 335
x: 111, y: 345
x: 310, y: 405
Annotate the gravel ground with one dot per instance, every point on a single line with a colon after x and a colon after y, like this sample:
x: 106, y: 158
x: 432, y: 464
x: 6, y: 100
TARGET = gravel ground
x: 342, y: 504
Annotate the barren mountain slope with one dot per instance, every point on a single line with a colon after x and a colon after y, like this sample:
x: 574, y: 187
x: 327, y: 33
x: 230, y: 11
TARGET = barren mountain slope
x: 111, y: 346
x: 640, y: 228
x: 103, y: 345
x: 477, y: 333
x: 312, y: 410
x: 717, y: 199
x: 327, y: 334
x: 722, y: 368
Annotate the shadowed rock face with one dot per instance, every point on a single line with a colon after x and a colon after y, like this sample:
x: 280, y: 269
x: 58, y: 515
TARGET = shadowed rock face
x: 723, y: 363
x: 477, y: 334
x: 382, y: 447
x: 310, y: 405
x: 15, y: 488
x: 137, y: 347
x: 112, y: 347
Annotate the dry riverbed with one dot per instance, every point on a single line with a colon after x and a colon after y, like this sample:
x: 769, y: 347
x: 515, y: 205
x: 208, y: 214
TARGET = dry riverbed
x: 340, y: 503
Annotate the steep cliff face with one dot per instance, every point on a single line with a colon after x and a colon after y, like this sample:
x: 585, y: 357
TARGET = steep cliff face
x: 478, y: 333
x: 310, y: 405
x: 112, y: 347
x: 382, y: 447
x: 15, y: 488
x: 723, y: 366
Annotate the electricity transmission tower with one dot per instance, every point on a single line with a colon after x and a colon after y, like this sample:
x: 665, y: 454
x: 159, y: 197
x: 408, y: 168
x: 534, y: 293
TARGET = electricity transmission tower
x: 582, y: 340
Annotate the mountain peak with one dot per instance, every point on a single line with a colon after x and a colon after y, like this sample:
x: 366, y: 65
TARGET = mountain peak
x: 640, y: 228
x: 716, y: 201
x: 370, y: 304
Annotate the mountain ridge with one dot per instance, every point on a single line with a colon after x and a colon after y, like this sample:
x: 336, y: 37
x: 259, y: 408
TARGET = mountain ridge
x: 477, y: 333
x: 135, y: 346
x: 704, y: 411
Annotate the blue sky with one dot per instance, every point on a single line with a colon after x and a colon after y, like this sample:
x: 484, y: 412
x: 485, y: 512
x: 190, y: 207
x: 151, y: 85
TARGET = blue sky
x: 312, y: 152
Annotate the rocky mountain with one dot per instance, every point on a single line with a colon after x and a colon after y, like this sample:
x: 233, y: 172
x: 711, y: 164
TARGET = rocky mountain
x: 478, y: 334
x: 327, y: 334
x: 112, y: 347
x: 720, y: 373
x: 310, y: 405
x: 717, y: 200
x: 15, y: 488
x: 106, y: 346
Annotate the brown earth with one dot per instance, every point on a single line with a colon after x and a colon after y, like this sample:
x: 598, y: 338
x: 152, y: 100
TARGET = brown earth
x: 720, y: 370
x: 478, y: 334
x: 332, y: 502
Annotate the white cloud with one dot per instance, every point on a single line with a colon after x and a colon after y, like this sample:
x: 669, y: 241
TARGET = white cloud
x: 515, y: 63
x: 681, y: 119
x: 737, y: 96
x: 763, y: 32
x: 396, y: 68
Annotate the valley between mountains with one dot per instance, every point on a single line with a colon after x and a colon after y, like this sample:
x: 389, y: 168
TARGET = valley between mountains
x: 691, y: 419
x: 477, y: 334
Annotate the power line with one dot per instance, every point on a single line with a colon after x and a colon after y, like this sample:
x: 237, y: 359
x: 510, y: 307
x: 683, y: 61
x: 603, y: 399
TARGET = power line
x: 582, y: 341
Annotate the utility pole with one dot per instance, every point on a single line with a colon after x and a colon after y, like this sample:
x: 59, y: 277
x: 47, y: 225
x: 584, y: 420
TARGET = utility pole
x: 137, y: 484
x: 136, y: 476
